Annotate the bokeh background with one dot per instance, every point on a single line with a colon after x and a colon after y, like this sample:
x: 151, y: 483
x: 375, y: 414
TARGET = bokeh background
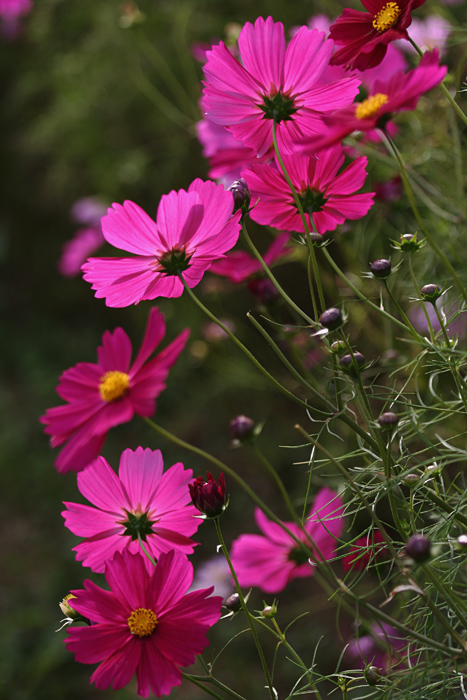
x: 90, y: 107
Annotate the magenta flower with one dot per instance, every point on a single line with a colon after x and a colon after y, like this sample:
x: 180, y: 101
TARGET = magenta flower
x: 273, y: 82
x: 103, y: 395
x: 74, y: 253
x: 239, y: 265
x: 271, y: 561
x: 193, y: 228
x: 145, y: 625
x: 142, y: 501
x: 364, y: 36
x: 365, y: 551
x: 11, y: 9
x: 328, y: 198
x: 398, y: 94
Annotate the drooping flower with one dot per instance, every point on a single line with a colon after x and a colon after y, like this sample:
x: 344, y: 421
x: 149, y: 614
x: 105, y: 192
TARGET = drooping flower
x: 398, y: 94
x: 364, y: 36
x: 193, y: 228
x: 143, y: 502
x: 365, y: 551
x: 270, y: 561
x: 239, y: 265
x: 103, y: 395
x: 147, y: 624
x: 208, y: 495
x: 326, y: 196
x: 273, y: 83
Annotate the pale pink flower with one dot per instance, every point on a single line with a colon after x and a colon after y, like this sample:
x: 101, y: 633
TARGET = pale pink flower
x: 11, y: 9
x: 193, y: 229
x: 240, y: 265
x: 85, y: 242
x: 103, y: 395
x: 273, y: 82
x: 270, y: 561
x: 429, y: 33
x: 147, y: 624
x: 142, y: 500
x: 327, y: 197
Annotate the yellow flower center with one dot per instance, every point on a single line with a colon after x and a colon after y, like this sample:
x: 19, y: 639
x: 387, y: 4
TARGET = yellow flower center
x: 142, y: 622
x: 113, y: 385
x: 371, y: 106
x: 387, y: 17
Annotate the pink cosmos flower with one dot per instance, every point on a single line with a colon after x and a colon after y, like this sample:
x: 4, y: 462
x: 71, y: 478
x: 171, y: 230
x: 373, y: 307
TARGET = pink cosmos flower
x: 273, y: 82
x: 11, y: 9
x: 365, y: 551
x: 76, y: 251
x: 398, y: 94
x: 364, y: 36
x: 103, y: 395
x: 142, y: 500
x: 239, y: 265
x: 147, y: 624
x: 273, y: 560
x: 327, y: 197
x: 193, y: 228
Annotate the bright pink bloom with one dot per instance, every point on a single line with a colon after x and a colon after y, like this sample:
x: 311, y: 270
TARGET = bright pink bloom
x: 364, y: 36
x: 365, y: 551
x: 145, y: 625
x: 74, y: 253
x: 193, y: 228
x: 103, y: 395
x: 326, y: 196
x: 398, y: 94
x: 142, y: 500
x: 239, y: 265
x: 271, y: 561
x: 272, y: 82
x: 11, y: 9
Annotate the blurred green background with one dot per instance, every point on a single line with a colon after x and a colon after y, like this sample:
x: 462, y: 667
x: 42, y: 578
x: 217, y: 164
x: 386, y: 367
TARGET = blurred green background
x: 89, y: 109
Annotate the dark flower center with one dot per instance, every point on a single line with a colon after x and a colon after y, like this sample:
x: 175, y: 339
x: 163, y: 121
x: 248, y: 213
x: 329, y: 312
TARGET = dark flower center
x: 312, y: 201
x: 298, y: 556
x: 138, y: 526
x: 174, y: 261
x: 280, y: 107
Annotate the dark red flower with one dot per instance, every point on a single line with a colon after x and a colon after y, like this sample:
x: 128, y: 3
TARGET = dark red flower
x: 208, y: 496
x: 365, y: 551
x: 364, y: 36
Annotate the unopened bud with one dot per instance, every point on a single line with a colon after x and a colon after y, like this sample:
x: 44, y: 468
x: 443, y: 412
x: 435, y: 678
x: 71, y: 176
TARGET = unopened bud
x: 233, y: 602
x: 351, y: 364
x: 332, y: 319
x: 411, y: 480
x: 462, y: 541
x: 66, y: 608
x: 431, y: 292
x: 418, y: 548
x: 338, y: 346
x: 269, y: 611
x: 409, y: 244
x: 381, y: 268
x: 208, y: 496
x: 242, y: 428
x: 373, y: 675
x: 241, y: 195
x: 388, y: 420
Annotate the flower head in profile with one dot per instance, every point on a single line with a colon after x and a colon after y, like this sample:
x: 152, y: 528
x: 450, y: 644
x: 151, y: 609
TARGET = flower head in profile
x: 193, y: 228
x: 398, y: 94
x: 363, y: 37
x: 147, y: 624
x: 142, y: 502
x: 239, y: 265
x: 272, y: 83
x: 270, y: 561
x: 327, y: 196
x: 101, y: 395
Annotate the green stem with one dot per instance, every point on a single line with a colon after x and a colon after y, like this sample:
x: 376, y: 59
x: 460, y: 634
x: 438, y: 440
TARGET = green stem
x: 446, y: 593
x: 417, y: 290
x: 400, y: 310
x: 151, y: 559
x: 197, y: 681
x: 273, y: 279
x: 270, y: 469
x: 246, y: 611
x: 420, y: 222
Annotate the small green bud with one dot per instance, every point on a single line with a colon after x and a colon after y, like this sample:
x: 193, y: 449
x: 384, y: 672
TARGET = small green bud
x: 269, y: 611
x: 338, y: 346
x: 411, y: 480
x: 431, y: 292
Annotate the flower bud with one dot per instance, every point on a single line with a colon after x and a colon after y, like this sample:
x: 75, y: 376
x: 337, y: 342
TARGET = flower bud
x: 350, y: 365
x: 372, y: 675
x: 315, y: 237
x: 411, y: 480
x: 263, y: 290
x: 388, y: 420
x: 332, y: 319
x: 233, y: 603
x: 242, y: 428
x: 208, y: 496
x: 462, y: 541
x: 418, y: 548
x: 67, y: 609
x: 431, y: 292
x: 269, y: 611
x: 381, y: 268
x: 409, y: 244
x: 241, y: 195
x: 338, y: 346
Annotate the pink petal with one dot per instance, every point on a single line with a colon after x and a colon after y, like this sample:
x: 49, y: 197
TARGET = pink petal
x: 155, y: 331
x: 140, y: 473
x: 262, y: 48
x: 115, y: 351
x: 172, y: 578
x: 129, y: 228
x: 120, y: 281
x: 101, y: 486
x: 179, y: 216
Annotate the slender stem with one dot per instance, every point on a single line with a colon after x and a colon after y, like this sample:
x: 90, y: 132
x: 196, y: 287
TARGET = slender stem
x: 270, y: 469
x: 431, y: 240
x: 417, y: 290
x: 446, y: 593
x: 196, y: 680
x: 246, y: 611
x: 151, y: 559
x: 401, y: 311
x: 273, y: 279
